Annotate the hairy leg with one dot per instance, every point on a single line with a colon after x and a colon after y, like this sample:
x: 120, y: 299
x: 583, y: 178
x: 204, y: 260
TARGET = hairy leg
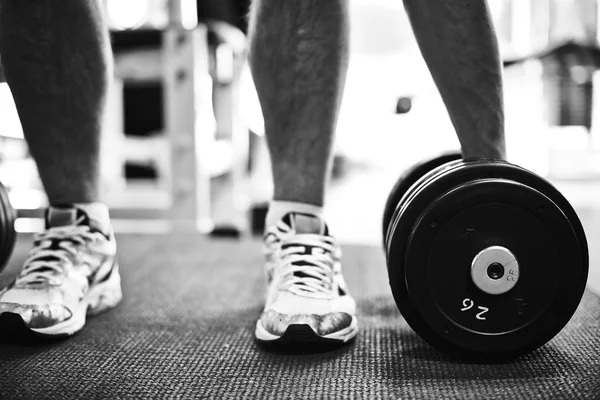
x: 299, y: 58
x: 459, y: 44
x: 57, y: 61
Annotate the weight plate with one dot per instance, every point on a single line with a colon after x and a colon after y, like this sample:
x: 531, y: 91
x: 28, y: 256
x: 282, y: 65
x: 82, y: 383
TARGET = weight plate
x: 411, y: 192
x: 408, y: 179
x: 448, y: 222
x: 8, y: 235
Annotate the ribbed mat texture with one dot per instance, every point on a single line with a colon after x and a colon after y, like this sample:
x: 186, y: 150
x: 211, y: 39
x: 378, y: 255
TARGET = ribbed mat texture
x: 186, y: 330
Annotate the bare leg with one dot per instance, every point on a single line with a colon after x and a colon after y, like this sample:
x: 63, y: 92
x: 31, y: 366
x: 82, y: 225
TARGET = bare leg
x: 459, y: 44
x: 299, y: 59
x: 56, y: 58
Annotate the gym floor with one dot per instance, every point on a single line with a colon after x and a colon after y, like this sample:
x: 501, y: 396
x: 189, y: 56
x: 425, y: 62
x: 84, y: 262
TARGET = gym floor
x: 185, y: 329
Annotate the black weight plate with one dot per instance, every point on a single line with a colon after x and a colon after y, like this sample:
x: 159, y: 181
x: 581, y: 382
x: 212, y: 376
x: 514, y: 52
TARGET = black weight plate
x: 430, y: 251
x: 410, y: 194
x: 408, y: 179
x: 8, y: 235
x: 497, y: 214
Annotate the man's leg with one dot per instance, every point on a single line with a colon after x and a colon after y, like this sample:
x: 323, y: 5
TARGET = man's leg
x: 56, y: 59
x: 299, y: 58
x: 57, y: 62
x: 459, y: 44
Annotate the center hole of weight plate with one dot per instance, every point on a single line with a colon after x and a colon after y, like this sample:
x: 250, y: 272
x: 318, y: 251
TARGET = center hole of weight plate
x: 495, y: 271
x: 488, y: 271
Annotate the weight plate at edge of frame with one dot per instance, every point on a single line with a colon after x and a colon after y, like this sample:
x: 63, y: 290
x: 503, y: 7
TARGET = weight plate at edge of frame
x: 9, y: 235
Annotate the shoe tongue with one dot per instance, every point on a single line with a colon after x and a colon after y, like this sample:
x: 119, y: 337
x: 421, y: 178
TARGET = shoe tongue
x: 67, y: 216
x: 306, y: 223
x: 59, y: 216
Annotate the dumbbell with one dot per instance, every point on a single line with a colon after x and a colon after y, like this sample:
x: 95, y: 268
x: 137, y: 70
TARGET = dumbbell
x: 8, y: 235
x: 485, y: 258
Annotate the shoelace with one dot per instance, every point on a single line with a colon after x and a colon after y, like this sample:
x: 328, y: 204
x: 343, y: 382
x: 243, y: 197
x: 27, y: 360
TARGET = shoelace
x: 45, y: 264
x: 309, y: 263
x: 309, y: 260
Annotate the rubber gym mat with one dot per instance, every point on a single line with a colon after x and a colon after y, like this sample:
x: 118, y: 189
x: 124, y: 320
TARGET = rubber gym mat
x: 185, y: 330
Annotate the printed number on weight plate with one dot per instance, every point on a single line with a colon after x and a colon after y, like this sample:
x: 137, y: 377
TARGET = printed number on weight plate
x: 468, y: 304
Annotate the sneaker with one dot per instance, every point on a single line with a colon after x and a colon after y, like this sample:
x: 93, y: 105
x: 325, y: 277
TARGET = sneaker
x: 307, y: 298
x: 70, y: 272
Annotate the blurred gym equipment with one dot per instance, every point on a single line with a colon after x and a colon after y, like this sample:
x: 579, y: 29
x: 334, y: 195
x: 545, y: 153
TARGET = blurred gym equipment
x: 207, y: 146
x: 198, y: 153
x: 190, y: 87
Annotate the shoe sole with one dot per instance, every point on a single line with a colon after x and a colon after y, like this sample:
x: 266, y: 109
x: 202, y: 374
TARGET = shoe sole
x: 305, y: 334
x: 100, y: 298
